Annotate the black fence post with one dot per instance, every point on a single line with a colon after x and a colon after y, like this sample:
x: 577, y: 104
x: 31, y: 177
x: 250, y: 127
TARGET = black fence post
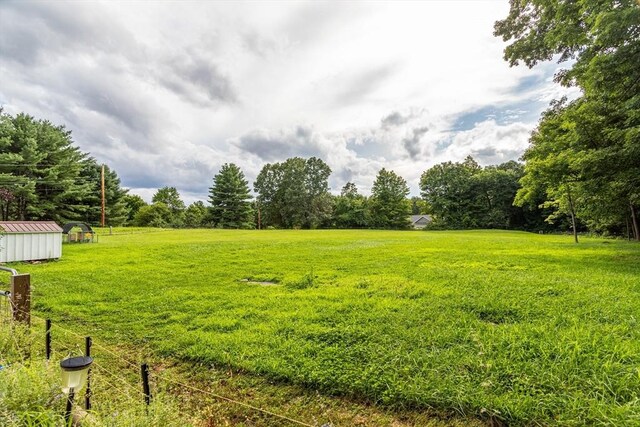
x: 47, y: 338
x: 144, y: 370
x: 87, y: 394
x: 69, y: 408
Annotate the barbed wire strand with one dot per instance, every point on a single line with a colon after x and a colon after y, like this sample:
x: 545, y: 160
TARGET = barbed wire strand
x: 215, y: 395
x: 124, y: 381
x: 237, y: 402
x: 95, y: 344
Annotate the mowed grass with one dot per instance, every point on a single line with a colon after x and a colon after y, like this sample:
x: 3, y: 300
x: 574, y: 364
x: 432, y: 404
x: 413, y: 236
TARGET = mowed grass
x: 508, y: 326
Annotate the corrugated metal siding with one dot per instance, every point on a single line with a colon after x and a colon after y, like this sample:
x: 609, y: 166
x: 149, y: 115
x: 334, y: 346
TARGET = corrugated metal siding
x: 30, y: 227
x: 30, y: 246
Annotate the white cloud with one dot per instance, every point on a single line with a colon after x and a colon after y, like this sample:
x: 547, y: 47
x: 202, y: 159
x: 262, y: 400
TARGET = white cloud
x: 167, y: 94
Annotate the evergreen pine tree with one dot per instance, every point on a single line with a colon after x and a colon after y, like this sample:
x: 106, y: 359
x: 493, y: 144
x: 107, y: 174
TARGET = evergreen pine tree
x: 230, y: 199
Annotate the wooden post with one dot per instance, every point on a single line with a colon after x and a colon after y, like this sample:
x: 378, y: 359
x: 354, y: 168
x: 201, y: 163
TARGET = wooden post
x: 21, y: 298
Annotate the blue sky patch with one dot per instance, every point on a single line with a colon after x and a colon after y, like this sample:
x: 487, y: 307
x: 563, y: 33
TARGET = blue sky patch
x: 526, y: 111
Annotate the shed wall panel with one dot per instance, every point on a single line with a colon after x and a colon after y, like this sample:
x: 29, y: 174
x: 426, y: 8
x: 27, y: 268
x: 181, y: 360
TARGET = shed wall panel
x: 12, y: 251
x: 57, y: 246
x: 3, y: 248
x: 30, y: 246
x: 27, y: 246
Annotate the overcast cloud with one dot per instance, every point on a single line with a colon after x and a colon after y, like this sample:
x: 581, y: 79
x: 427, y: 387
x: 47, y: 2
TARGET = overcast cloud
x: 167, y: 92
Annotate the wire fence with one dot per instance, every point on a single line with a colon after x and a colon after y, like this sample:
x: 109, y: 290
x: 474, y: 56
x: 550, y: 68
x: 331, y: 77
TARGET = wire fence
x: 32, y: 346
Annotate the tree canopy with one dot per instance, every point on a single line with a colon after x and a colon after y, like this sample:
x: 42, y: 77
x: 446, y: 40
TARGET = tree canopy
x: 43, y: 176
x: 294, y: 193
x: 585, y: 154
x: 389, y: 205
x: 170, y: 197
x: 350, y: 208
x: 466, y: 195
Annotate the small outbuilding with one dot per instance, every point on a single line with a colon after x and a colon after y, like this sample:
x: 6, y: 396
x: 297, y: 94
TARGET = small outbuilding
x: 420, y: 221
x: 30, y: 240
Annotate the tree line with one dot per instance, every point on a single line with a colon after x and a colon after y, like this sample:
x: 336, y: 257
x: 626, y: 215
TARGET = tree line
x: 43, y: 176
x: 291, y: 194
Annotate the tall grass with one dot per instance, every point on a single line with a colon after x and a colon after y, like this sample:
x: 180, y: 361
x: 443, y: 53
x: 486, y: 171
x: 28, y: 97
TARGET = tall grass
x: 506, y: 326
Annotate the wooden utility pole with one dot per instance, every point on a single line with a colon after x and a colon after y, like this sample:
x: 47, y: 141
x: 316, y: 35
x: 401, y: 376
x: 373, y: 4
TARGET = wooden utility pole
x: 103, y: 202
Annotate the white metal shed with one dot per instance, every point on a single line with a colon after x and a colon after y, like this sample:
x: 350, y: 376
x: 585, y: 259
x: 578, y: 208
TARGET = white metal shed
x: 30, y: 240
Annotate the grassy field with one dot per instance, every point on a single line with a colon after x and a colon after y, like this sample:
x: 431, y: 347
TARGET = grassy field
x: 507, y: 326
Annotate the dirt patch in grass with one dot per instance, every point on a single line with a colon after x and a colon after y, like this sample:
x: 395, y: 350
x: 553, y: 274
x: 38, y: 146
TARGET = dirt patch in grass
x: 257, y: 282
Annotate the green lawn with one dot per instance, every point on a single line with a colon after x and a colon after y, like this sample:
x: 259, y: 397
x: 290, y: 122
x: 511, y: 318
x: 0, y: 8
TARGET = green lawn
x: 515, y: 326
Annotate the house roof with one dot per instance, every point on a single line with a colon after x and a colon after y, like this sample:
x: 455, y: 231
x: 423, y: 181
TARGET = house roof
x: 30, y: 227
x: 416, y: 218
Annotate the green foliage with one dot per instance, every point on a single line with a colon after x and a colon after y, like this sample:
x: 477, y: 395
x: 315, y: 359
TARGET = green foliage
x: 295, y: 193
x: 44, y: 177
x: 230, y: 199
x: 447, y: 188
x: 133, y: 204
x: 388, y: 204
x: 589, y: 32
x: 196, y: 215
x: 585, y: 155
x: 465, y: 195
x: 419, y: 206
x: 550, y: 167
x: 40, y: 171
x: 169, y: 197
x: 350, y: 208
x: 155, y: 215
x: 30, y: 395
x: 485, y: 323
x: 116, y: 208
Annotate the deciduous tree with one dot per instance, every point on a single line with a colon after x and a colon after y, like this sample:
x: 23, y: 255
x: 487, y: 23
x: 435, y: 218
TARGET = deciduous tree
x: 350, y: 208
x: 388, y: 204
x: 602, y: 41
x: 295, y: 193
x: 155, y: 215
x: 170, y: 197
x: 196, y: 214
x: 133, y: 203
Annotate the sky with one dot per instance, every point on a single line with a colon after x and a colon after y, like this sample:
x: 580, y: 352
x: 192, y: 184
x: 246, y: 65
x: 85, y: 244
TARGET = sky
x: 167, y: 92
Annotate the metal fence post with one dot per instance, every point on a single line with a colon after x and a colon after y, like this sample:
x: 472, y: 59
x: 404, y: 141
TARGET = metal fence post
x: 144, y: 371
x: 87, y: 353
x: 47, y: 338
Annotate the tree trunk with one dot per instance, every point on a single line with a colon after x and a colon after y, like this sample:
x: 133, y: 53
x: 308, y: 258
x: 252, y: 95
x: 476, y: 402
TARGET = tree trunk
x: 22, y: 207
x: 634, y: 222
x: 573, y: 217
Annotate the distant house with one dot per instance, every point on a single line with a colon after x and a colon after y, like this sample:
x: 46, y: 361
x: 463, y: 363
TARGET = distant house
x: 420, y: 221
x: 29, y: 240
